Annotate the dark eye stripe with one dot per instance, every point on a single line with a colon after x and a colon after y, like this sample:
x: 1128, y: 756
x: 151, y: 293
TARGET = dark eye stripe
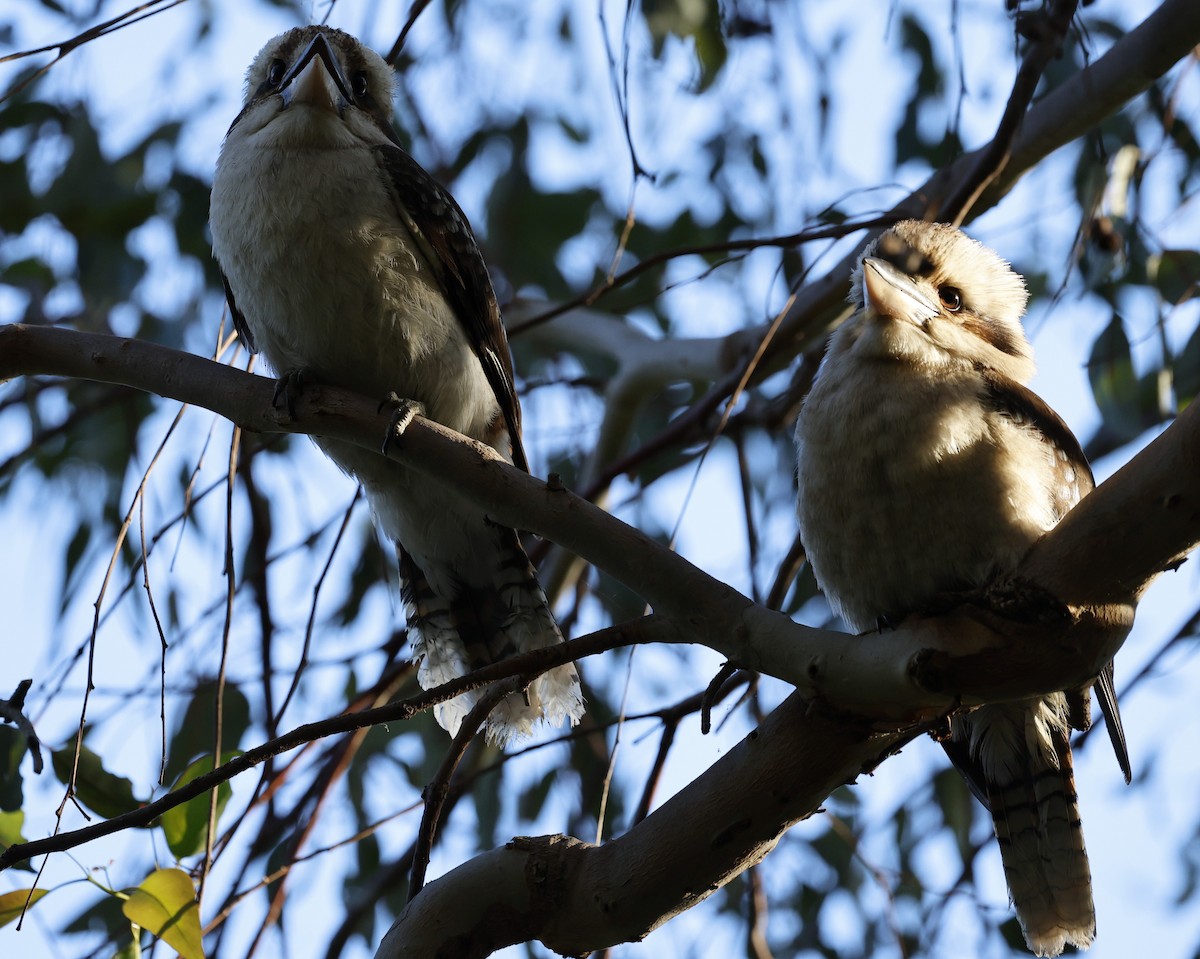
x: 996, y: 334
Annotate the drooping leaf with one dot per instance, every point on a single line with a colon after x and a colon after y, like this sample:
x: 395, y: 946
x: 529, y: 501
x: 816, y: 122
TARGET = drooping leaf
x: 1175, y: 274
x: 1187, y: 370
x: 194, y: 736
x: 13, y: 904
x: 1126, y: 403
x: 165, y: 905
x: 103, y: 792
x: 12, y: 751
x: 10, y: 828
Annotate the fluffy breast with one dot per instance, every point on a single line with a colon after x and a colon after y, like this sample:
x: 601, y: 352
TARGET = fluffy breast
x: 329, y: 279
x: 910, y: 487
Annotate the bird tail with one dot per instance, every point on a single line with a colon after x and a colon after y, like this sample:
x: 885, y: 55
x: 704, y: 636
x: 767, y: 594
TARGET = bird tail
x: 454, y: 635
x: 1022, y: 753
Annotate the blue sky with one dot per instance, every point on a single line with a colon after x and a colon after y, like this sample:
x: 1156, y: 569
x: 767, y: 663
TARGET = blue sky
x: 138, y: 77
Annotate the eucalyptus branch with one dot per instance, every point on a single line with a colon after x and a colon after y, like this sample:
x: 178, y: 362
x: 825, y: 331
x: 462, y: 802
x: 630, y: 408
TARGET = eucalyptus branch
x: 874, y: 678
x: 1135, y: 62
x: 1047, y: 29
x: 1088, y: 572
x: 1023, y: 139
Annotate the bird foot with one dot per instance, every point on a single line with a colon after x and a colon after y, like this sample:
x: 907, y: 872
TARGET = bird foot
x: 403, y: 413
x: 289, y: 387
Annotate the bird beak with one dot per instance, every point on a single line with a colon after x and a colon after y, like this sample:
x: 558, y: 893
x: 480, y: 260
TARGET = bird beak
x: 317, y: 79
x: 892, y: 294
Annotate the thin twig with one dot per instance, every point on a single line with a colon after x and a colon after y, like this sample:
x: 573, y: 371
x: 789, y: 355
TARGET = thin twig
x: 312, y: 611
x: 126, y: 19
x: 702, y: 249
x: 394, y: 53
x: 1048, y: 28
x: 439, y: 787
x: 526, y: 665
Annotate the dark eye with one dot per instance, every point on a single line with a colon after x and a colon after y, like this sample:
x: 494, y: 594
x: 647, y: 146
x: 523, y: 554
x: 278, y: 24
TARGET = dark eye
x: 951, y: 298
x: 358, y: 84
x: 275, y: 72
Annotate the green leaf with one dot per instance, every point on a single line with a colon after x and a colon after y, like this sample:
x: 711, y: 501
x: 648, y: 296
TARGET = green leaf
x: 194, y: 737
x: 12, y: 751
x: 958, y: 809
x: 1174, y: 273
x: 1187, y: 370
x: 10, y: 828
x: 165, y: 904
x: 186, y: 825
x: 131, y: 950
x: 531, y: 802
x: 12, y: 904
x: 100, y: 917
x: 1127, y: 403
x: 98, y: 789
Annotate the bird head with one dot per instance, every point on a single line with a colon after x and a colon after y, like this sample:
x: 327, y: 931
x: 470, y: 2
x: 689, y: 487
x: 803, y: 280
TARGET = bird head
x: 317, y: 86
x: 930, y: 295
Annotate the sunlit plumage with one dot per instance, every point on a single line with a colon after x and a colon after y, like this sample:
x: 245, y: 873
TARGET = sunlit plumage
x: 926, y: 467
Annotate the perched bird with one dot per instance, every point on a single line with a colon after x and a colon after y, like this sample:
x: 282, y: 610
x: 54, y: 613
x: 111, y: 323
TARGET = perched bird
x: 926, y: 468
x: 346, y: 263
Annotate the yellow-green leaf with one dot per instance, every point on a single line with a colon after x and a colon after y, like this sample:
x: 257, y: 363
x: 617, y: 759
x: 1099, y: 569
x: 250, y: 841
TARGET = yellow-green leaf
x: 165, y: 904
x: 10, y: 828
x: 13, y: 903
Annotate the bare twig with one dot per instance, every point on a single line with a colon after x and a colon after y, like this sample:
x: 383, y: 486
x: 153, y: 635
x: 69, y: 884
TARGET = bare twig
x: 126, y: 19
x: 439, y: 787
x: 1046, y: 28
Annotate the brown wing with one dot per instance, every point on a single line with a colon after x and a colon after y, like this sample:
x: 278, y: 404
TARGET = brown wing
x: 1026, y: 408
x: 444, y: 236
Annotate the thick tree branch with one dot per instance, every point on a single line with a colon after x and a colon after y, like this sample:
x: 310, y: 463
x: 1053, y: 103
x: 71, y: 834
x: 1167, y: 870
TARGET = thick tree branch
x: 862, y: 696
x: 1126, y: 70
x: 576, y: 897
x: 874, y: 676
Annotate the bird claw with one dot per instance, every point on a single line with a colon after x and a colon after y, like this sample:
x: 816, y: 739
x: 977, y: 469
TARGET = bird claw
x: 289, y: 387
x: 403, y: 413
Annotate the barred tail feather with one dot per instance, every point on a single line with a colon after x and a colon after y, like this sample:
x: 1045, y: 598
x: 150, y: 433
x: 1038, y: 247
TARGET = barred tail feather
x: 1023, y: 755
x: 1041, y: 843
x: 451, y: 637
x: 555, y: 695
x: 437, y: 648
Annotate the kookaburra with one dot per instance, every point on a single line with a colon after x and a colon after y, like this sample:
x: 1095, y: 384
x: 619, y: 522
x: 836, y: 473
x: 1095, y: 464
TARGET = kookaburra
x: 926, y: 468
x: 346, y: 262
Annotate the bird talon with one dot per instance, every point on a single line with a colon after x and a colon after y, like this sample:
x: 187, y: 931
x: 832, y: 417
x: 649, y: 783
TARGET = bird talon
x: 404, y: 411
x: 288, y: 387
